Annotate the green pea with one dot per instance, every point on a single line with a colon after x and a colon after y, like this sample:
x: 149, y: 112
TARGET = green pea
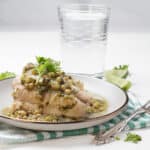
x: 34, y: 72
x: 62, y: 87
x: 67, y: 85
x: 29, y: 80
x: 70, y: 82
x: 59, y: 79
x: 96, y: 105
x: 62, y: 73
x: 67, y: 91
x: 66, y: 78
x: 55, y: 85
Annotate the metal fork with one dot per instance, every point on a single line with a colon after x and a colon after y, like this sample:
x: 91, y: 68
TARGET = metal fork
x: 109, y: 136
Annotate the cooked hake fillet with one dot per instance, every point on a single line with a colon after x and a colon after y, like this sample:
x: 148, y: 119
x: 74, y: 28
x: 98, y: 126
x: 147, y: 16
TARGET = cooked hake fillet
x: 50, y: 102
x: 69, y: 106
x: 22, y: 94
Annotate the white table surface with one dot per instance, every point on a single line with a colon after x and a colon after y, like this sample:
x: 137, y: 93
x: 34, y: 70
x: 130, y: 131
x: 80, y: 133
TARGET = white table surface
x: 17, y: 48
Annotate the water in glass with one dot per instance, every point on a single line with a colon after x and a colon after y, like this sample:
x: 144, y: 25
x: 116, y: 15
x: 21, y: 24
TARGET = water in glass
x: 84, y: 34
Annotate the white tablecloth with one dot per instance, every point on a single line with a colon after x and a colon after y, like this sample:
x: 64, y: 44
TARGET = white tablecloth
x: 17, y: 48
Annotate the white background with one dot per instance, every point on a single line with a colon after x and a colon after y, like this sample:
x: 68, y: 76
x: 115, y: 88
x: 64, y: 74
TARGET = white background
x: 31, y: 15
x: 128, y: 43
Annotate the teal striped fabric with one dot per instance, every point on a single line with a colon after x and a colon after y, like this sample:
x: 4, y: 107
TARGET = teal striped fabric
x: 12, y: 135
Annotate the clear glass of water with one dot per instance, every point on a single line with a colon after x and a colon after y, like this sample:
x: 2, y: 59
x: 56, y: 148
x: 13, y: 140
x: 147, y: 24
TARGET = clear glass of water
x: 84, y: 37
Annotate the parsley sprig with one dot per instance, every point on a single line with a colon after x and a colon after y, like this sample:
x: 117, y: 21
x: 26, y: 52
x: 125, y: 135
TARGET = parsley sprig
x: 46, y: 65
x: 6, y: 75
x: 121, y: 67
x: 131, y: 137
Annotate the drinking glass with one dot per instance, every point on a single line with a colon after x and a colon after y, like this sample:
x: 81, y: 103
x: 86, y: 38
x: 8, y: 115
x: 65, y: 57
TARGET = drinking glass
x: 83, y: 37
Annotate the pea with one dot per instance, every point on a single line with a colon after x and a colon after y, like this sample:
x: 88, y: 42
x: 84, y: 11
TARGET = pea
x: 89, y: 109
x: 49, y: 74
x: 36, y: 112
x: 55, y: 85
x: 47, y: 118
x: 40, y: 81
x: 66, y: 78
x: 70, y: 82
x: 50, y: 118
x: 62, y: 73
x: 52, y: 74
x: 63, y: 87
x: 29, y: 80
x: 43, y: 81
x: 67, y: 91
x: 21, y: 113
x: 34, y: 72
x: 59, y: 79
x: 58, y: 74
x: 96, y: 105
x: 69, y: 96
x: 67, y: 85
x: 24, y: 117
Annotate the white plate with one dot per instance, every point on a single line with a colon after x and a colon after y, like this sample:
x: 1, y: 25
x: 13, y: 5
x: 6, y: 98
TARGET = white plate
x: 116, y: 98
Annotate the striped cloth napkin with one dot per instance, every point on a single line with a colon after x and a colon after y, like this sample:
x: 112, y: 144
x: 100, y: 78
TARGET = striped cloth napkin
x: 13, y: 135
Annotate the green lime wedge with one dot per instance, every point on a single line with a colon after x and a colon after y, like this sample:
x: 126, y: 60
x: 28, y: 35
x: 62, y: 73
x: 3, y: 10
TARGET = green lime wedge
x: 112, y: 77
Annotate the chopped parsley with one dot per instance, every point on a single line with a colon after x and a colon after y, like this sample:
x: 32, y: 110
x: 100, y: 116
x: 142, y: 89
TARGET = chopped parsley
x: 131, y: 137
x: 117, y: 138
x: 6, y: 75
x: 121, y: 67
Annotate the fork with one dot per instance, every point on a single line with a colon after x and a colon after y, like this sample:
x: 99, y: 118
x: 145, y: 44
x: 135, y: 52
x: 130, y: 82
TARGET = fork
x: 109, y: 136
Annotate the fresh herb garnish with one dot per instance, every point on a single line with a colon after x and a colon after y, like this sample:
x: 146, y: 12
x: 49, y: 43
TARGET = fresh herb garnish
x: 46, y: 65
x: 121, y: 71
x: 117, y: 138
x: 131, y: 137
x: 121, y: 67
x: 6, y: 75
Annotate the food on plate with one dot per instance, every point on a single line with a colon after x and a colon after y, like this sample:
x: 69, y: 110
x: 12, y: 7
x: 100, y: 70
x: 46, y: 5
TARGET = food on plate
x: 44, y: 92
